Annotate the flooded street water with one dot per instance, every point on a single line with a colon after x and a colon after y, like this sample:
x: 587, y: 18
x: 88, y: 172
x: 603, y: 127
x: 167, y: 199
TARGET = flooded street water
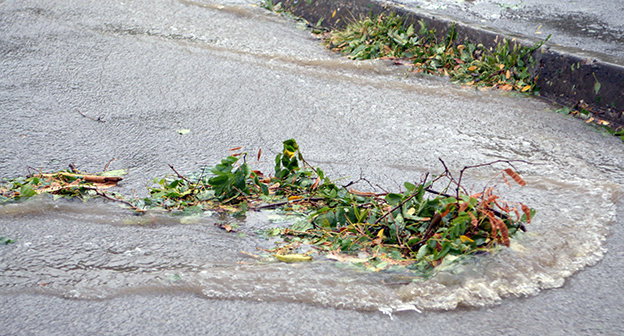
x: 84, y: 82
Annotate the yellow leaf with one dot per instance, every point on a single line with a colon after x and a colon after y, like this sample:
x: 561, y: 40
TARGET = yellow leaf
x: 508, y: 74
x: 501, y: 66
x: 292, y: 257
x: 334, y: 13
x: 465, y: 239
x: 380, y: 233
x: 526, y: 88
x: 294, y: 198
x: 589, y: 120
x: 288, y: 153
x: 411, y: 211
x: 472, y: 68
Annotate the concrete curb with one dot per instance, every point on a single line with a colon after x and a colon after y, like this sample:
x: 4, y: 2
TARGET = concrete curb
x: 567, y: 77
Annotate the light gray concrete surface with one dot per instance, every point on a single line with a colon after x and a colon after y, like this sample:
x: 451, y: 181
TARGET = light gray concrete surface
x: 591, y: 26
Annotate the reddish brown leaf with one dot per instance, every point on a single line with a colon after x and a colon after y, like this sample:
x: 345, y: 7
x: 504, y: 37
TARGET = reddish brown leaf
x: 527, y: 212
x: 473, y: 220
x: 515, y: 176
x: 316, y: 183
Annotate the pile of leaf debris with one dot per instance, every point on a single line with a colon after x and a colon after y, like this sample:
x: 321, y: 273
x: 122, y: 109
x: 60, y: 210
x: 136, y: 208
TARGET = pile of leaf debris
x: 417, y: 228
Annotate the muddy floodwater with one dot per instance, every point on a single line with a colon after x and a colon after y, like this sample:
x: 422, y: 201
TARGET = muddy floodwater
x: 85, y: 82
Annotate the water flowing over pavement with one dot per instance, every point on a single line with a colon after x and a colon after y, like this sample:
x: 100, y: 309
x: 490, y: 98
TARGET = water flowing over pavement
x: 235, y: 74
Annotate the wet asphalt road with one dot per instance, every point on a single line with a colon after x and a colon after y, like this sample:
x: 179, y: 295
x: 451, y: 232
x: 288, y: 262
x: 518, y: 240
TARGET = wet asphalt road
x: 236, y: 75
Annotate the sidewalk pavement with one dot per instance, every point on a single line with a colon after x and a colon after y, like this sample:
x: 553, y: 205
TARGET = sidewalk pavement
x: 586, y: 46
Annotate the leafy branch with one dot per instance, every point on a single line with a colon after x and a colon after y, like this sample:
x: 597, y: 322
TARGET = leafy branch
x: 416, y: 228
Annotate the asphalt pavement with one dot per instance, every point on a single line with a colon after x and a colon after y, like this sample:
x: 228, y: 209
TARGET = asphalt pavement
x: 88, y: 81
x: 585, y: 40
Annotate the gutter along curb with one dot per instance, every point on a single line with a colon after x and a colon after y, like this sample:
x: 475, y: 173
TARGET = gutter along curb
x: 565, y: 76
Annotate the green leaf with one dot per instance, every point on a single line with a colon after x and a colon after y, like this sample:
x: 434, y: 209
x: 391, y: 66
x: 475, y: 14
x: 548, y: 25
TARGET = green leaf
x: 184, y: 131
x: 597, y: 87
x: 410, y: 30
x: 27, y: 191
x: 409, y: 186
x: 6, y: 241
x: 422, y: 252
x: 394, y: 199
x: 302, y: 225
x: 326, y: 220
x: 218, y: 180
x: 447, y: 200
x: 265, y: 189
x: 446, y: 247
x: 356, y: 52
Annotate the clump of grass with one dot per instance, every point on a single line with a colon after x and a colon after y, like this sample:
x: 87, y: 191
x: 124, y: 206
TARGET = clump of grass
x: 382, y: 36
x: 507, y: 66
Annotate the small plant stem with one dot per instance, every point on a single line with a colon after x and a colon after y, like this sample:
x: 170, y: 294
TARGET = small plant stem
x: 108, y: 164
x: 103, y: 194
x: 180, y: 175
x: 396, y: 207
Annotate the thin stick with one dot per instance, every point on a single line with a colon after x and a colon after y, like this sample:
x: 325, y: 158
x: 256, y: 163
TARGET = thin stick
x: 396, y: 207
x: 179, y: 175
x: 279, y: 204
x: 108, y: 164
x: 509, y: 162
x: 103, y: 194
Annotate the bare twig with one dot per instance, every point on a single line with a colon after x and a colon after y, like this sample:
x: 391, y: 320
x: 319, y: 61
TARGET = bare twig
x: 396, y: 207
x: 448, y: 174
x: 431, y: 229
x: 270, y: 206
x: 108, y: 164
x: 384, y: 190
x: 279, y: 204
x: 362, y: 178
x: 180, y: 175
x: 199, y: 180
x: 29, y: 170
x: 103, y: 194
x: 240, y: 192
x: 509, y: 162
